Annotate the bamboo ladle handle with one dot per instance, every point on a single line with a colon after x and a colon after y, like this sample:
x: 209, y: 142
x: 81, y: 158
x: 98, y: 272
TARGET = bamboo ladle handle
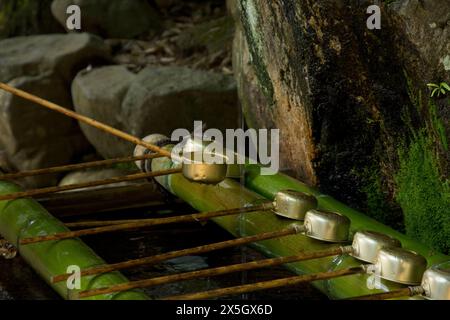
x: 404, y: 292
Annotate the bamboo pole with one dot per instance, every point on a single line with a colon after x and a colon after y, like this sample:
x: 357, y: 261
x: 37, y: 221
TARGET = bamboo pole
x: 26, y: 218
x: 73, y: 167
x: 105, y: 223
x: 180, y: 253
x: 43, y: 191
x: 176, y: 219
x: 404, y: 292
x: 213, y: 272
x: 145, y: 223
x: 231, y: 193
x: 272, y: 284
x: 91, y: 122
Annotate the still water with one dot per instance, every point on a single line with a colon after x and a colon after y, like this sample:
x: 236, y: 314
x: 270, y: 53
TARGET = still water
x: 18, y: 281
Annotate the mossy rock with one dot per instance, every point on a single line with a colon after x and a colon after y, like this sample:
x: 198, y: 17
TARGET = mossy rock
x: 348, y: 104
x: 424, y: 194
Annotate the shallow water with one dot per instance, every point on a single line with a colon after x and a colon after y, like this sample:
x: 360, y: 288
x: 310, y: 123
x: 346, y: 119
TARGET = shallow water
x: 18, y: 281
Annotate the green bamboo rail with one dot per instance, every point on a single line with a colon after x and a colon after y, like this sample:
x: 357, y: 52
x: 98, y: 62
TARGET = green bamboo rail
x: 26, y: 218
x: 268, y: 186
x: 229, y: 194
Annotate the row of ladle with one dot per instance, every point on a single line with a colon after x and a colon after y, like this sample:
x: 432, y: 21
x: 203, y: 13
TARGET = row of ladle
x: 384, y: 254
x: 389, y: 261
x: 381, y: 255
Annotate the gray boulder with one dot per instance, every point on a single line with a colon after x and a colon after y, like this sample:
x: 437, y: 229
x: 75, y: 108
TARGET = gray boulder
x: 111, y: 19
x: 34, y: 137
x: 30, y: 135
x: 163, y: 99
x: 99, y: 94
x: 156, y: 100
x: 61, y: 54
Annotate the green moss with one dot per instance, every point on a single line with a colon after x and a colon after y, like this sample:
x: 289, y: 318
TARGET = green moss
x: 438, y: 125
x: 423, y: 194
x: 377, y: 204
x: 25, y: 17
x: 416, y: 99
x: 375, y: 197
x: 13, y: 17
x: 422, y: 187
x: 435, y: 125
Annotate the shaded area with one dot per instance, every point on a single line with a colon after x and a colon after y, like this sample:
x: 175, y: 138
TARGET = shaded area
x: 349, y: 101
x: 21, y: 282
x: 168, y: 238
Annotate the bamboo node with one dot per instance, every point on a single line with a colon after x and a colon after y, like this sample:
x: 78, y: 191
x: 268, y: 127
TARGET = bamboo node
x: 298, y: 228
x: 415, y: 291
x: 346, y: 249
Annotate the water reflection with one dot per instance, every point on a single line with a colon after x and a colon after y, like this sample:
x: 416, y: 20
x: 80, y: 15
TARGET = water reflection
x: 22, y: 283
